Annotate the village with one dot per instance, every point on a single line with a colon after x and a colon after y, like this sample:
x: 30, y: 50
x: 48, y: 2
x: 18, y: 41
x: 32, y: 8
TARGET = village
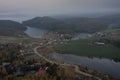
x: 19, y: 61
x: 15, y: 66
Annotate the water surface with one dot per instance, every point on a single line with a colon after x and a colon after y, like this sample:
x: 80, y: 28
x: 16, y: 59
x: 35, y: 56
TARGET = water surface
x: 35, y: 32
x: 105, y: 66
x: 82, y: 36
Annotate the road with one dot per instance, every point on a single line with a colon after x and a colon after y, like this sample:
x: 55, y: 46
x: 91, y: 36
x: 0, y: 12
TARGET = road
x: 65, y: 64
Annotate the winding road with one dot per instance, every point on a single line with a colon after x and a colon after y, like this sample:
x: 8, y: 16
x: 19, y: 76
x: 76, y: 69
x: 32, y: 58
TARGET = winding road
x: 65, y: 64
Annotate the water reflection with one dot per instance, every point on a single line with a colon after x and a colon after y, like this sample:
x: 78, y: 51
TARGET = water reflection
x: 103, y: 65
x: 35, y: 32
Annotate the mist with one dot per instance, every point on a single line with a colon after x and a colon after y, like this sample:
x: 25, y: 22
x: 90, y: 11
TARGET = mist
x: 58, y: 7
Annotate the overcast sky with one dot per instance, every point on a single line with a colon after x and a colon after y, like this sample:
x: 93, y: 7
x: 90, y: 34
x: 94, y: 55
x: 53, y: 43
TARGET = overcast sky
x: 51, y: 7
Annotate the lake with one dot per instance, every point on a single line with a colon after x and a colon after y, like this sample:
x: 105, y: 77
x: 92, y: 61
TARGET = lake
x: 82, y: 36
x: 35, y: 32
x: 104, y: 65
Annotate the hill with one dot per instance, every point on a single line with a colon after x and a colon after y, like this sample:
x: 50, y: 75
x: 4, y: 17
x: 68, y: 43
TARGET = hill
x: 11, y: 28
x: 112, y: 18
x: 71, y: 25
x: 46, y: 23
x: 89, y: 25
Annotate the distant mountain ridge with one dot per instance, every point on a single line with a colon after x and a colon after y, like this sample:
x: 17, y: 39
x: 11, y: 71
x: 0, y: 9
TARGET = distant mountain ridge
x: 43, y: 22
x: 11, y: 28
x: 89, y: 25
x: 79, y: 24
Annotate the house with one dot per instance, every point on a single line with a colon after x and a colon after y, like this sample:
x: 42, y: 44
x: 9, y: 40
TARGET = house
x: 37, y: 64
x: 41, y: 72
x: 99, y: 43
x: 21, y: 52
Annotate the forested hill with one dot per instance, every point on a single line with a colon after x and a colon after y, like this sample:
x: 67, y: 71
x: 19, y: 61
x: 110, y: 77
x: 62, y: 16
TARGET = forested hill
x: 46, y: 23
x: 78, y: 24
x: 112, y: 18
x: 11, y: 28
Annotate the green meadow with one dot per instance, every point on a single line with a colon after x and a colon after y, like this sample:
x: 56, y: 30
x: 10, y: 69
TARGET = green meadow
x: 86, y: 48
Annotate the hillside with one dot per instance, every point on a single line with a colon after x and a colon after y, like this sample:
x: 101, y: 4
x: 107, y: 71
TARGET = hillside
x: 71, y: 25
x: 84, y: 24
x: 45, y: 23
x: 11, y: 28
x: 79, y: 24
x: 89, y: 25
x: 112, y: 18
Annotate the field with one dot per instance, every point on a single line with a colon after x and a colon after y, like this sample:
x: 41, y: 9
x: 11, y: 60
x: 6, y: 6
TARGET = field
x: 85, y: 48
x: 7, y: 39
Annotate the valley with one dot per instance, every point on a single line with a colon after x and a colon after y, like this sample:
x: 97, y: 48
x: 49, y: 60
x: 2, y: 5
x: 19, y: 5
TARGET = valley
x: 73, y: 49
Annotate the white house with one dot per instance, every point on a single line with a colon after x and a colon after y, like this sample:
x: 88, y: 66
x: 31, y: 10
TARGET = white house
x: 100, y: 43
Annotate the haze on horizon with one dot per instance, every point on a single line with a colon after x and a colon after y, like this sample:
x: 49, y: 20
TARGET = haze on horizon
x: 56, y: 7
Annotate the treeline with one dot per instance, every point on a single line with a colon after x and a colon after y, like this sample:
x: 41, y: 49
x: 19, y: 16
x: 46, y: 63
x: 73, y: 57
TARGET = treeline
x: 89, y: 25
x: 70, y: 25
x: 77, y: 25
x: 11, y: 28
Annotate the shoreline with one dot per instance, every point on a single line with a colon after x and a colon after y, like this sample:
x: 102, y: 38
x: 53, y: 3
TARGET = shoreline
x: 100, y: 57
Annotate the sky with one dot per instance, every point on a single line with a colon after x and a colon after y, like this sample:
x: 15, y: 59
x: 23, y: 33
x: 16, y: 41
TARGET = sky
x: 54, y: 7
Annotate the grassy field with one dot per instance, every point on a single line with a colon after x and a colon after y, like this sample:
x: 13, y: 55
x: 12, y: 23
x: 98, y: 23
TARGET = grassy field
x: 6, y: 39
x: 82, y: 48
